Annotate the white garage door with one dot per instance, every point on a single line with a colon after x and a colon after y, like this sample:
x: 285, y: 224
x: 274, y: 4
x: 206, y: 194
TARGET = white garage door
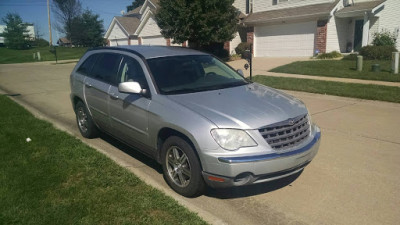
x: 118, y: 42
x: 154, y: 41
x: 296, y: 39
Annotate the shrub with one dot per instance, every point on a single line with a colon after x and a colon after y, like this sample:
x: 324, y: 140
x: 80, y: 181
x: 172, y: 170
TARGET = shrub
x: 384, y: 38
x: 331, y: 55
x: 40, y: 42
x: 242, y: 47
x: 351, y: 57
x: 377, y: 52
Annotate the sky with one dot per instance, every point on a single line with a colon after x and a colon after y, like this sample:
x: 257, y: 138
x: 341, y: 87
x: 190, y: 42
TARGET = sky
x: 35, y: 11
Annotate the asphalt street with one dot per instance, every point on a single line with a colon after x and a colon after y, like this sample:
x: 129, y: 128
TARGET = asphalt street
x: 354, y: 178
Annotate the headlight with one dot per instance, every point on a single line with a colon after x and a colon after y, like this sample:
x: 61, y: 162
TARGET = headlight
x: 232, y: 139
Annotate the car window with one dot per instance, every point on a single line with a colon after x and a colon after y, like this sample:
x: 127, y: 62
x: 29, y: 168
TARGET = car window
x: 106, y: 68
x: 87, y: 65
x: 131, y: 70
x: 187, y: 74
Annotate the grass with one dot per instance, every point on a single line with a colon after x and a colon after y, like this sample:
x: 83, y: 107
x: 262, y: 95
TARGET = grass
x: 22, y: 56
x: 362, y: 91
x: 56, y: 179
x: 340, y: 68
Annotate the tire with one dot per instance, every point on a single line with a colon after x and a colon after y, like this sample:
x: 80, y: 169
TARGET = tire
x: 85, y: 122
x: 183, y: 174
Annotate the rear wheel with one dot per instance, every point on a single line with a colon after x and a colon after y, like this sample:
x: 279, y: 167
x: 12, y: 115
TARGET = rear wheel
x: 85, y: 122
x: 181, y: 167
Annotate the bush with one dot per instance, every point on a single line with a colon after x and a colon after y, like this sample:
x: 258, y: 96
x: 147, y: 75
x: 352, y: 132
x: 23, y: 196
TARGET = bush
x: 384, y: 38
x: 350, y: 57
x: 377, y: 52
x: 40, y: 42
x: 331, y: 55
x: 242, y: 47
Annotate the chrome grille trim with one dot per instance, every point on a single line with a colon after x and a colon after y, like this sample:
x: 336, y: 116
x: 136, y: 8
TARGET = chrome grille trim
x: 286, y: 134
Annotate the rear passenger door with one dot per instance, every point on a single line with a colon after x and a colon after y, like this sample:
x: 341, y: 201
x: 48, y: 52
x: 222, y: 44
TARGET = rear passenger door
x: 129, y: 112
x: 97, y: 85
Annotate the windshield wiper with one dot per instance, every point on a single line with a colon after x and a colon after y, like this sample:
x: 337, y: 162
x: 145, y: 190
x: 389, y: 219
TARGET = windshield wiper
x: 184, y: 90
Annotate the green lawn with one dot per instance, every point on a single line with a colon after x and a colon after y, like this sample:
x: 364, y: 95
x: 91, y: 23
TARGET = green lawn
x: 22, y: 56
x: 56, y: 179
x: 340, y: 68
x: 362, y: 91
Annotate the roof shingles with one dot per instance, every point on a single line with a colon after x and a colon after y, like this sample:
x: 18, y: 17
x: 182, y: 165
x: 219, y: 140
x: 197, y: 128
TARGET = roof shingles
x: 309, y: 11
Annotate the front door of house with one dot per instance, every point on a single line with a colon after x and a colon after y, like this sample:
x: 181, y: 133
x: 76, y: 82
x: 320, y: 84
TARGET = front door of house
x: 358, y: 35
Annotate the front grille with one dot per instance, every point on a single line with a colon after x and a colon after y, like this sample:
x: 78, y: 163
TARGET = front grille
x: 286, y: 134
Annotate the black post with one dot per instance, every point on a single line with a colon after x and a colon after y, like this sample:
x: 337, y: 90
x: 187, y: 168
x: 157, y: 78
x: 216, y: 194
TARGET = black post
x: 55, y: 53
x: 251, y: 61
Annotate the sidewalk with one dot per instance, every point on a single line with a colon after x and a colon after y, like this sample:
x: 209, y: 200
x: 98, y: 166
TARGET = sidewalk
x: 261, y: 66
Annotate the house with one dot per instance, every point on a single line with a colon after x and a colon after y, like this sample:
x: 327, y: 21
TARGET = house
x: 304, y: 27
x: 138, y: 27
x: 64, y: 42
x: 30, y: 32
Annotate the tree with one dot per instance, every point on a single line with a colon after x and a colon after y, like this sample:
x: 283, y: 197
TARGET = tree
x: 66, y: 11
x: 200, y: 22
x: 87, y: 30
x: 16, y: 33
x: 134, y: 5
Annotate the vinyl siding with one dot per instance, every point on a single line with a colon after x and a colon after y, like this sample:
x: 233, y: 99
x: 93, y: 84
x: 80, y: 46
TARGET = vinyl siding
x: 150, y: 28
x: 339, y: 34
x: 266, y: 5
x: 373, y: 28
x: 390, y: 18
x: 241, y: 5
x: 117, y: 32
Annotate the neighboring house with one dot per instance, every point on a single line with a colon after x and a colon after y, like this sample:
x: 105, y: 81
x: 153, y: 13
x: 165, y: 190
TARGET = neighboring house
x: 64, y: 42
x: 2, y: 27
x: 304, y: 27
x: 138, y: 27
x: 31, y: 32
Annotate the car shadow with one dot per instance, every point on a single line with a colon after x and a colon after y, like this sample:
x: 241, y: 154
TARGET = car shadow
x: 251, y: 190
x: 134, y: 153
x: 223, y: 193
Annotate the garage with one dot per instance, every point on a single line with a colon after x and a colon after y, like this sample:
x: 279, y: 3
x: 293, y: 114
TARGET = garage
x: 159, y: 40
x: 117, y: 42
x: 294, y: 39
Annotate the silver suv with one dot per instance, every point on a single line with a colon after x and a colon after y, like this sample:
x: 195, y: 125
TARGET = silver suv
x: 198, y: 117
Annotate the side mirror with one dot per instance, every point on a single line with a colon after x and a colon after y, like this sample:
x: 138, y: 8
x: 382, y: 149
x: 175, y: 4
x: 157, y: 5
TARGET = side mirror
x: 240, y: 72
x: 130, y: 87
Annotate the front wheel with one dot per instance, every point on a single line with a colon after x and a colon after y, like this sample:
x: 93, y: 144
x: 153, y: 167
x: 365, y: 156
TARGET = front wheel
x: 181, y: 167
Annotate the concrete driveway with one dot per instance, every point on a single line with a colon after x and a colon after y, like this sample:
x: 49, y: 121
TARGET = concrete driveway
x: 354, y: 179
x: 261, y: 65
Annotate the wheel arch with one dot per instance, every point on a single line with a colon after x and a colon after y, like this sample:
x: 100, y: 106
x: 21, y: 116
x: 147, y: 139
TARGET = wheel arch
x: 167, y: 132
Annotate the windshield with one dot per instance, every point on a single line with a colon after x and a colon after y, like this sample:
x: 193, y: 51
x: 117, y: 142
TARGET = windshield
x: 187, y: 74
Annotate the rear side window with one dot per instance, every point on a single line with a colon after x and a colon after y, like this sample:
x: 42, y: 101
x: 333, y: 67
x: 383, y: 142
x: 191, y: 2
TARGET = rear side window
x: 106, y: 68
x: 87, y: 66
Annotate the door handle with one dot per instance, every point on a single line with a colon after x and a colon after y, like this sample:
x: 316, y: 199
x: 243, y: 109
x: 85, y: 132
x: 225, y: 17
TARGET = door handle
x: 113, y: 96
x: 88, y: 85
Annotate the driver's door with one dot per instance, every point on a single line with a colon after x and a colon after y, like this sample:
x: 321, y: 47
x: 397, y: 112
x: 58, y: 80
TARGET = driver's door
x: 128, y: 112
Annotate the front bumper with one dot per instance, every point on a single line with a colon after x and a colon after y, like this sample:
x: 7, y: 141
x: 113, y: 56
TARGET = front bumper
x: 244, y: 170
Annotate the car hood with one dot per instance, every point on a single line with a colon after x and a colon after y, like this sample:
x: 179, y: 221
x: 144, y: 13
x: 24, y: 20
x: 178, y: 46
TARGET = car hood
x: 245, y: 107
